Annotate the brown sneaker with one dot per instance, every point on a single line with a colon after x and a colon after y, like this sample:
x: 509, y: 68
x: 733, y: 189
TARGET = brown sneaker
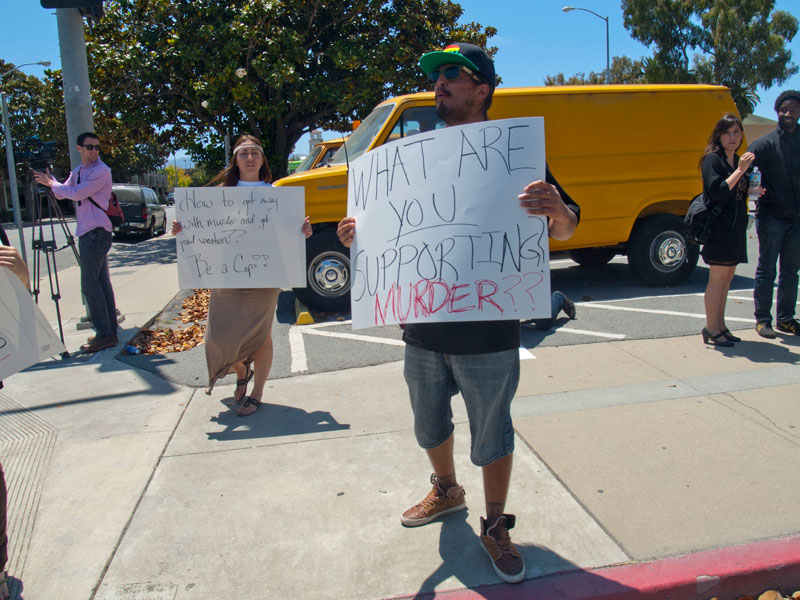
x: 101, y: 342
x: 507, y: 562
x: 790, y: 326
x: 436, y: 504
x: 764, y: 329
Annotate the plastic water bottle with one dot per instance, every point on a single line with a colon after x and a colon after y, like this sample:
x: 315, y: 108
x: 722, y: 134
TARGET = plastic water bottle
x: 753, y: 191
x: 131, y: 349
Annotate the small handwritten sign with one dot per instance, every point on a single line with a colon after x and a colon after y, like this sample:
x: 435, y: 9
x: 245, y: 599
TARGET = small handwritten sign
x: 25, y: 335
x: 241, y: 237
x: 440, y: 235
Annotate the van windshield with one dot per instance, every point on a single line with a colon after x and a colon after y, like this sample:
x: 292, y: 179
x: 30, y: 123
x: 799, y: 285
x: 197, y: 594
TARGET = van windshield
x: 309, y: 160
x: 362, y: 137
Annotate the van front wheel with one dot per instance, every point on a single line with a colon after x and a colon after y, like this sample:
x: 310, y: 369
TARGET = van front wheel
x: 328, y: 274
x: 659, y: 253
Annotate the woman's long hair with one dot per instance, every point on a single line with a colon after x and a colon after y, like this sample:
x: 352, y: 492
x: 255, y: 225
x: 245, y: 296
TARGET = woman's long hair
x: 727, y: 121
x: 229, y: 176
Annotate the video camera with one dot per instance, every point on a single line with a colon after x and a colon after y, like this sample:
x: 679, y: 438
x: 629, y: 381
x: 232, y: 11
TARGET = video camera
x: 38, y: 154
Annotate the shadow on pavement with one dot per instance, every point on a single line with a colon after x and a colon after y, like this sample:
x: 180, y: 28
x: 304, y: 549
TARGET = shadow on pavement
x: 273, y: 420
x: 583, y: 284
x: 463, y: 557
x: 157, y: 385
x: 784, y: 349
x: 157, y: 251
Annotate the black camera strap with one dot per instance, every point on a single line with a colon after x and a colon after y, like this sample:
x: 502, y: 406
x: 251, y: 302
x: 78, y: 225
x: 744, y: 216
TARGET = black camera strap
x: 89, y: 198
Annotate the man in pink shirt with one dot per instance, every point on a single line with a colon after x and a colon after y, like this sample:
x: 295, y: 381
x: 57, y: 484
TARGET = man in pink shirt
x: 89, y: 187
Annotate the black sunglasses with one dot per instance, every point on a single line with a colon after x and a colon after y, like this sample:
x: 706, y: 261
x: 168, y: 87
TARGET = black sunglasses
x: 451, y: 74
x: 92, y: 146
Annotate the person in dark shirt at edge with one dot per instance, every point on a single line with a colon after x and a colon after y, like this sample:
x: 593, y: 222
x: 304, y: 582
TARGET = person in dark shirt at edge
x: 481, y: 358
x: 778, y: 218
x: 9, y: 259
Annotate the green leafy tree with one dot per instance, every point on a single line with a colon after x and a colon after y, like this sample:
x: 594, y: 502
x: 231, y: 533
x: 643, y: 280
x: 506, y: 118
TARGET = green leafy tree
x: 199, y: 176
x: 198, y: 69
x: 35, y: 116
x: 33, y: 110
x: 177, y: 177
x: 741, y: 44
x: 36, y: 108
x: 623, y: 70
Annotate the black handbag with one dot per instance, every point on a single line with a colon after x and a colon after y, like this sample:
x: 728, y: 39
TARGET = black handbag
x: 699, y: 218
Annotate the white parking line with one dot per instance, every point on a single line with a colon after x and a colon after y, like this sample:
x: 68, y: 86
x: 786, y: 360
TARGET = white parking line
x: 353, y: 336
x: 299, y: 362
x: 658, y: 312
x: 611, y: 336
x: 635, y: 298
x: 525, y: 354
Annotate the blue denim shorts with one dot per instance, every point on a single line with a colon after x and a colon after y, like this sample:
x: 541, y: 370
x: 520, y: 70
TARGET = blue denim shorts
x: 487, y: 383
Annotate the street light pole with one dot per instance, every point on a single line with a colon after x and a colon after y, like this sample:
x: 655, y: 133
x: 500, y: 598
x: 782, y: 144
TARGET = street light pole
x: 12, y: 166
x: 608, y: 55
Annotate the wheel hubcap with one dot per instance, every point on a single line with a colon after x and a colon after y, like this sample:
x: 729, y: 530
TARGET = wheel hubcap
x: 330, y: 275
x: 670, y: 251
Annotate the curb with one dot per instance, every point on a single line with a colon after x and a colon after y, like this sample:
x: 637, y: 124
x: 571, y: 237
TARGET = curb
x: 725, y: 573
x: 302, y: 314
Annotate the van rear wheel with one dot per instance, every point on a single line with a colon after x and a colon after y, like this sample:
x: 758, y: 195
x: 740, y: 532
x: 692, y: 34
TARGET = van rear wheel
x: 327, y: 273
x: 592, y: 257
x: 659, y: 253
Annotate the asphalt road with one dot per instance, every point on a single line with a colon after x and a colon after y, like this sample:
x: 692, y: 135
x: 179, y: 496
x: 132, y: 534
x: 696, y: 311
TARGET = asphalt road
x: 611, y: 305
x: 55, y: 234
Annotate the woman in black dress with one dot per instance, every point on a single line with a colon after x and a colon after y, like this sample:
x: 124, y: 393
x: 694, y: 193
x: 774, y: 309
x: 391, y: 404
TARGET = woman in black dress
x: 724, y: 185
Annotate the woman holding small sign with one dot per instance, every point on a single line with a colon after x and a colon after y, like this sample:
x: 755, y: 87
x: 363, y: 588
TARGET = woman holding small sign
x: 724, y: 185
x: 239, y: 329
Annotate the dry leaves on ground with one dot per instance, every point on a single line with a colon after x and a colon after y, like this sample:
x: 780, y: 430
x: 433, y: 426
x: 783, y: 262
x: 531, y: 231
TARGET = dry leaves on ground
x: 161, y: 341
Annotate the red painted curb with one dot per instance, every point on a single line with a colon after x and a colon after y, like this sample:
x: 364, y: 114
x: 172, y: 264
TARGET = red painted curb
x: 726, y: 573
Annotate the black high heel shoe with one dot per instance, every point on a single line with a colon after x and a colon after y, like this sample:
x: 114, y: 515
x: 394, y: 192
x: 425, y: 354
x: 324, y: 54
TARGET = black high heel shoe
x: 729, y: 336
x: 716, y: 340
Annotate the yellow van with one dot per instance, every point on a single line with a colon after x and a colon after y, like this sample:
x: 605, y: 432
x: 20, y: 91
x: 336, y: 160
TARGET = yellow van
x: 320, y: 155
x: 628, y: 154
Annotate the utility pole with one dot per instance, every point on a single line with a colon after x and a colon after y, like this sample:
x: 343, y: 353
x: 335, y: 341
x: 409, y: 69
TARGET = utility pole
x: 75, y: 74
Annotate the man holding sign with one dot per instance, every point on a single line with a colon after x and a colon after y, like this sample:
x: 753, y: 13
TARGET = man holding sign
x: 478, y: 358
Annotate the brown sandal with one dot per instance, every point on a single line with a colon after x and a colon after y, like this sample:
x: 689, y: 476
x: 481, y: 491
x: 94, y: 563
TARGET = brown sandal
x: 244, y: 408
x: 243, y: 382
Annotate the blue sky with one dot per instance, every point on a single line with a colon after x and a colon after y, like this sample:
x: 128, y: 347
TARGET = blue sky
x: 535, y: 39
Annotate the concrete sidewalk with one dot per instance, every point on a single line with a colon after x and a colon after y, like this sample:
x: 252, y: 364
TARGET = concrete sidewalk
x: 658, y: 467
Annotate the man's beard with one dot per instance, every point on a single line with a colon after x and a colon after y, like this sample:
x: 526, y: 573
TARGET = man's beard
x: 449, y: 113
x: 786, y: 124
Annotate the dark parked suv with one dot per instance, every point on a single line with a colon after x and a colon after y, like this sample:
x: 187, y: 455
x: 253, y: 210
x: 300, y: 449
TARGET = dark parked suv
x: 144, y: 213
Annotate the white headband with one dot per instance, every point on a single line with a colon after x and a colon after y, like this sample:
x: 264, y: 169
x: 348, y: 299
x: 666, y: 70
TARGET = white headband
x: 248, y: 146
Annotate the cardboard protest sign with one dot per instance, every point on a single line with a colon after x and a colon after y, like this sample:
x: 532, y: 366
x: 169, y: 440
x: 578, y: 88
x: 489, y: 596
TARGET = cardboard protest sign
x: 241, y: 237
x: 440, y: 235
x: 26, y: 337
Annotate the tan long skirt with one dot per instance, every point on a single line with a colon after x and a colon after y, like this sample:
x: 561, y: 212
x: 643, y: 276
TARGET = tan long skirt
x: 239, y: 321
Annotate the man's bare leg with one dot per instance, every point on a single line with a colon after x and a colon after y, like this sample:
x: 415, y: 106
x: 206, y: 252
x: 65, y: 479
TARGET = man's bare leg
x: 441, y: 458
x: 496, y: 479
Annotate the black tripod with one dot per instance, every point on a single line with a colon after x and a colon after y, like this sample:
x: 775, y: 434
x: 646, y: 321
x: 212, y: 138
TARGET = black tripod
x: 47, y: 216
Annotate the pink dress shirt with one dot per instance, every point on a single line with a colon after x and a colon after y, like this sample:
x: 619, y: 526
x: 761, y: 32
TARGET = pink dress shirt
x: 95, y: 181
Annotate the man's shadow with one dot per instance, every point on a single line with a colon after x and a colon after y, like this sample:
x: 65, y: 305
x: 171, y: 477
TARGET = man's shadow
x: 273, y: 420
x: 464, y: 558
